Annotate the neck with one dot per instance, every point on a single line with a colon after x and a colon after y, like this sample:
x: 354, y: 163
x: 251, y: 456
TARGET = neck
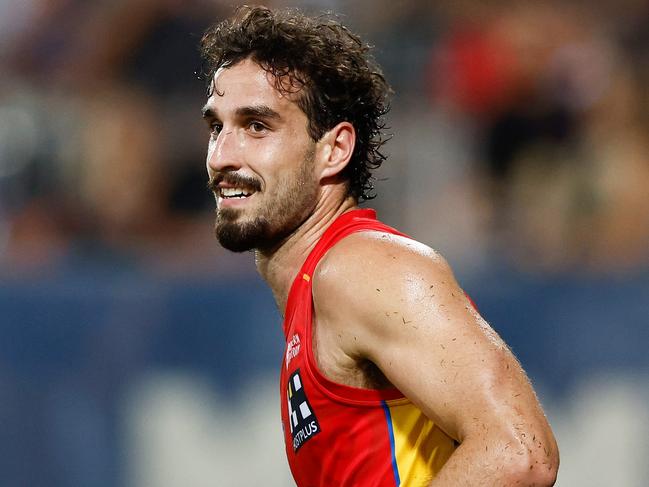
x: 280, y: 265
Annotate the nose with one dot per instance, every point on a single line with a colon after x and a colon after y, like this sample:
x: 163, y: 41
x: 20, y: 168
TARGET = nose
x: 223, y: 152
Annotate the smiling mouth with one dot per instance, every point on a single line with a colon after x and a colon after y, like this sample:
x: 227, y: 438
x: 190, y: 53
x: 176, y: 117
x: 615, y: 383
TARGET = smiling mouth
x: 235, y: 193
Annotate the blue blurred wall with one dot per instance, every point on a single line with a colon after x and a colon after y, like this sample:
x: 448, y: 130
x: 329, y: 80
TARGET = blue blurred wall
x: 72, y: 345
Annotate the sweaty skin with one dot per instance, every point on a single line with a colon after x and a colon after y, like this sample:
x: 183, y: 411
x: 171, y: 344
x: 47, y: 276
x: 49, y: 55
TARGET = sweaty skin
x: 395, y: 303
x: 388, y: 310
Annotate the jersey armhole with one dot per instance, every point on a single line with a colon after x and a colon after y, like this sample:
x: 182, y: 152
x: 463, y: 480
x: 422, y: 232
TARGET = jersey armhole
x: 343, y: 393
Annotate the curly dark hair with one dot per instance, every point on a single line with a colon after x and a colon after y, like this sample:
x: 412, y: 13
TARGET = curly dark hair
x: 340, y: 81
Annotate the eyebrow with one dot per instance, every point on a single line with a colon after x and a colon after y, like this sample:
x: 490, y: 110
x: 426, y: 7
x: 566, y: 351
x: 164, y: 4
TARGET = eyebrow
x: 260, y: 111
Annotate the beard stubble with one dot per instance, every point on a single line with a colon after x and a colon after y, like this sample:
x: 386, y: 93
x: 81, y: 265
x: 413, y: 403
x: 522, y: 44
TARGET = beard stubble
x: 278, y: 219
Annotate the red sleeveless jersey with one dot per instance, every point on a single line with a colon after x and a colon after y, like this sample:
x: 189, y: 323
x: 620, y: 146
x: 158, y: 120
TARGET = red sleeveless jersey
x: 341, y: 436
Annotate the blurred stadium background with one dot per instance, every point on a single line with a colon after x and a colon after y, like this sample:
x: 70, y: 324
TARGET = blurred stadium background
x: 134, y: 352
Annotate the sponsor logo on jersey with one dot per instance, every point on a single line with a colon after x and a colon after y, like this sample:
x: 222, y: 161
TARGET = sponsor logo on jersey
x: 292, y: 349
x: 301, y: 417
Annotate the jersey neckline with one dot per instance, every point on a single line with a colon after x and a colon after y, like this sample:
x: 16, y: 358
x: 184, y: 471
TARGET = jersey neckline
x: 342, y: 220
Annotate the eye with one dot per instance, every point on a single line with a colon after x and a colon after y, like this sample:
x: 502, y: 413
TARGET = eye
x: 215, y: 128
x: 256, y: 127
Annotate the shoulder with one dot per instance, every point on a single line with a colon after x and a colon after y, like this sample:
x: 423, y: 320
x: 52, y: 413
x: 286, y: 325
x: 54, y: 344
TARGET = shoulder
x: 372, y: 281
x: 366, y: 259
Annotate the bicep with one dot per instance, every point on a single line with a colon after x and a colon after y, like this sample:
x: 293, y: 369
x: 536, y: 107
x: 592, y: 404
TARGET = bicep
x: 430, y: 342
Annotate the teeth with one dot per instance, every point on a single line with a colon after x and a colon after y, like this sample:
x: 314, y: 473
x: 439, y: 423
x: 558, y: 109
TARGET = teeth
x: 234, y: 193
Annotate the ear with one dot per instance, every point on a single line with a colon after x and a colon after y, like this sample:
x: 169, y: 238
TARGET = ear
x: 336, y: 149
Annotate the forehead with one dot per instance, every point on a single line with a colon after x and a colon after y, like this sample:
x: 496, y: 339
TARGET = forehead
x: 248, y: 84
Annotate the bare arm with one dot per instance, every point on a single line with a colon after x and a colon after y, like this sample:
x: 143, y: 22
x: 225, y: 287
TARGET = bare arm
x: 395, y: 302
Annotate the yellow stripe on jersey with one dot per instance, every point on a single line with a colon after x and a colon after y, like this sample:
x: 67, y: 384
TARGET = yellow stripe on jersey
x: 420, y: 447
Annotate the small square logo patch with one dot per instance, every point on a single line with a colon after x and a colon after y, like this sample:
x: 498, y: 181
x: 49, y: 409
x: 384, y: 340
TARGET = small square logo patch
x: 301, y: 417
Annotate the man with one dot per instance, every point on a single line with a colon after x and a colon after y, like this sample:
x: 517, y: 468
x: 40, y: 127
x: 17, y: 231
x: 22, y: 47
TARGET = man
x: 390, y: 376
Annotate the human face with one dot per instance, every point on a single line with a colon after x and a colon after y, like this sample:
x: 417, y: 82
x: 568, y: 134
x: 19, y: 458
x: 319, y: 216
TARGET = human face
x: 260, y: 159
